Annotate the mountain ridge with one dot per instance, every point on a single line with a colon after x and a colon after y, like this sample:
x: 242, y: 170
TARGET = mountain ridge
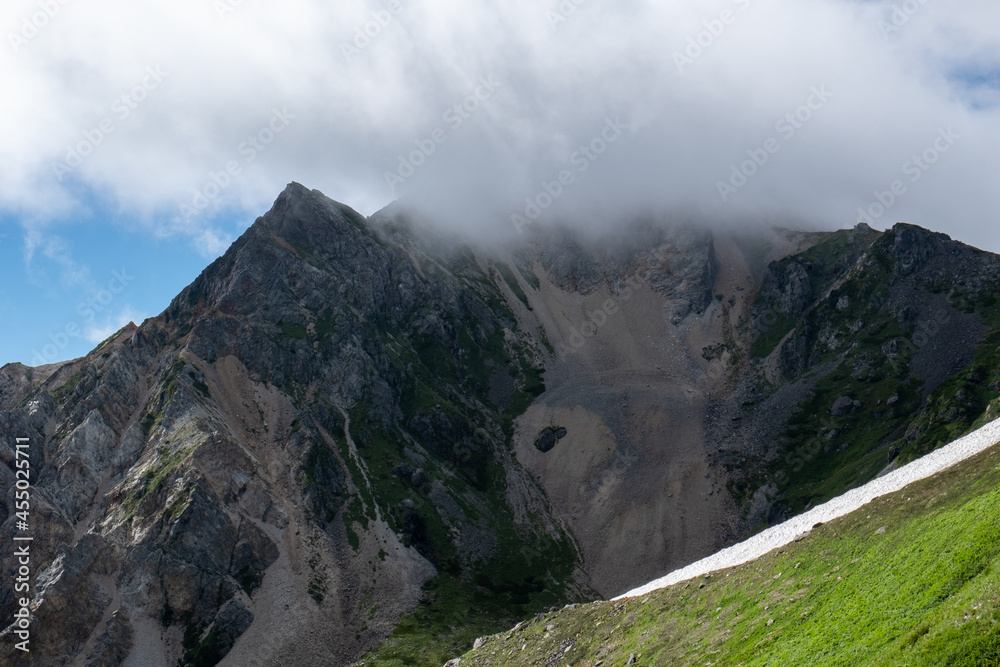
x: 426, y: 441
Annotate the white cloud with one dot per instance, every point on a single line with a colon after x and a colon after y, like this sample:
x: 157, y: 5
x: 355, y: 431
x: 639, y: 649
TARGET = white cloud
x: 97, y: 332
x: 212, y: 244
x: 354, y: 120
x: 41, y: 240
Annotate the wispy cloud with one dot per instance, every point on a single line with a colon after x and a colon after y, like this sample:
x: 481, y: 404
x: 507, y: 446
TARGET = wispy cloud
x: 42, y: 241
x: 99, y: 331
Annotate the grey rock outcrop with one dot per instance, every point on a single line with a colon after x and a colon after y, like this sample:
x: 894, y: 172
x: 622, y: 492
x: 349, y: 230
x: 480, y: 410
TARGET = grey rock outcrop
x: 340, y: 410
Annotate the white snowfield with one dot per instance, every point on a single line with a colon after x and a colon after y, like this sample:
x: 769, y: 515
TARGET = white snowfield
x: 782, y: 534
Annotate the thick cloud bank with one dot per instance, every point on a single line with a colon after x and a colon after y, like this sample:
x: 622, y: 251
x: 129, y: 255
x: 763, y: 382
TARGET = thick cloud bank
x: 486, y: 114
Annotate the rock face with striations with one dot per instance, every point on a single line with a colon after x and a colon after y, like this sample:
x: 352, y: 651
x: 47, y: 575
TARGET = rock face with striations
x: 220, y: 471
x: 348, y: 426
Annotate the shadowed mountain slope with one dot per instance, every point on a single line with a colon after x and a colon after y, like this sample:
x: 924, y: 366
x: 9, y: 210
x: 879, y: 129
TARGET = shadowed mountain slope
x: 353, y: 436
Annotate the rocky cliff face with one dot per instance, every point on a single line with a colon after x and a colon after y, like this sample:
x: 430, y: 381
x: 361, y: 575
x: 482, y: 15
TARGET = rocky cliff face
x: 309, y: 433
x: 346, y: 429
x: 867, y: 350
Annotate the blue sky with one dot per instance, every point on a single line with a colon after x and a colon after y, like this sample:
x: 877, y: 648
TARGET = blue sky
x: 147, y: 136
x: 84, y: 280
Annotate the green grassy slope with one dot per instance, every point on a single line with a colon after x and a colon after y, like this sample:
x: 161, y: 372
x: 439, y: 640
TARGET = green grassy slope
x: 911, y: 579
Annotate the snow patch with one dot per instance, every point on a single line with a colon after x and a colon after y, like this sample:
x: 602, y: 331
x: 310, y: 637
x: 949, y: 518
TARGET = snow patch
x: 773, y: 538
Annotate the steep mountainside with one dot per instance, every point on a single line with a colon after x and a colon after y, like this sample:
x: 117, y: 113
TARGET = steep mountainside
x: 889, y: 344
x: 311, y: 431
x: 351, y: 435
x: 911, y: 580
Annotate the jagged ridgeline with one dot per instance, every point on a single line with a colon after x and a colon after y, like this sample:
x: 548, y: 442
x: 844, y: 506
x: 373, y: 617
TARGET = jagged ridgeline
x: 354, y: 439
x: 323, y: 408
x: 879, y: 347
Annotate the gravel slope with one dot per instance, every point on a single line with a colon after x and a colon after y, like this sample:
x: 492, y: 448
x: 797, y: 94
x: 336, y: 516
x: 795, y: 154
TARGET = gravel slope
x: 780, y: 535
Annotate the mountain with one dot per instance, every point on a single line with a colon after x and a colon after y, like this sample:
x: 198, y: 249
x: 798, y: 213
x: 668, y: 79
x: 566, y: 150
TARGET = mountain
x: 910, y: 579
x: 358, y: 438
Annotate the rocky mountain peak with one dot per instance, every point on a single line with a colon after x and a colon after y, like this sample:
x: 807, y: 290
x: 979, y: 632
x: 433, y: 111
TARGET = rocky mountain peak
x: 336, y: 431
x: 310, y: 218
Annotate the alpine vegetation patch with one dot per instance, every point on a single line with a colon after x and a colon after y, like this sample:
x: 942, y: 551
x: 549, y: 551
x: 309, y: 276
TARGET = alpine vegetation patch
x: 914, y: 169
x: 31, y: 26
x: 366, y: 34
x: 120, y: 109
x: 249, y: 149
x: 714, y: 29
x: 799, y: 457
x: 427, y: 146
x: 787, y: 126
x: 581, y: 159
x: 900, y: 16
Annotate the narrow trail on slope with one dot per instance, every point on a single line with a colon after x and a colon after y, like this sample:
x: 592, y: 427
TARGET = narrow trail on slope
x: 782, y: 534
